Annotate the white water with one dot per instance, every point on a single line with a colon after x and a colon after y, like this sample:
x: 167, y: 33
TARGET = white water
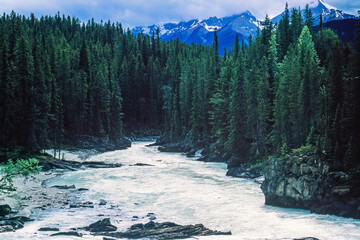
x: 184, y: 191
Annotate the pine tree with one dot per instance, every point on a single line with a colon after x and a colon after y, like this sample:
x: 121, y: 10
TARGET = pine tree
x: 219, y: 115
x: 310, y: 74
x: 286, y: 108
x: 25, y: 86
x: 309, y: 19
x: 236, y: 142
x: 296, y: 25
x: 284, y: 33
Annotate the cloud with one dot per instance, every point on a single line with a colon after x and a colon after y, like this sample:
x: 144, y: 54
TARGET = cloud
x: 146, y: 12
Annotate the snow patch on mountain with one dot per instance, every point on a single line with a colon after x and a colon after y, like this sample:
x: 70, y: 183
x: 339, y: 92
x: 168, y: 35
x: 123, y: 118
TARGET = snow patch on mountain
x: 319, y: 7
x: 328, y: 6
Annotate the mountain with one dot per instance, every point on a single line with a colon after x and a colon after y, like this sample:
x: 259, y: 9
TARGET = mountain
x: 345, y: 28
x: 244, y: 24
x: 202, y: 31
x: 329, y: 13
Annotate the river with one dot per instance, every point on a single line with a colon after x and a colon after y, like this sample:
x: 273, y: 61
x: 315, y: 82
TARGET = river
x: 185, y: 191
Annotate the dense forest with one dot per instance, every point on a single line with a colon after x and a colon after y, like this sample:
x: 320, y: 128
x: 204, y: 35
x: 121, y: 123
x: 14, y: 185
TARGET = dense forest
x: 288, y: 87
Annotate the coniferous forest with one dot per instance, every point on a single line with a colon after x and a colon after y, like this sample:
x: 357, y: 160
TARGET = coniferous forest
x: 288, y: 87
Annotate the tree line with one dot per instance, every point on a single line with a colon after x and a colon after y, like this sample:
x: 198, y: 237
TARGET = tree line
x: 289, y: 86
x: 61, y: 79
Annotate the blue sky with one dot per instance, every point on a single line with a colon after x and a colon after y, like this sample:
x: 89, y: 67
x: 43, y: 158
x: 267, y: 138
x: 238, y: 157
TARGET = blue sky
x: 133, y: 13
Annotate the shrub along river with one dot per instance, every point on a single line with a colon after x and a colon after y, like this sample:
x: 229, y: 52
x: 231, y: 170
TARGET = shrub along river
x: 172, y: 187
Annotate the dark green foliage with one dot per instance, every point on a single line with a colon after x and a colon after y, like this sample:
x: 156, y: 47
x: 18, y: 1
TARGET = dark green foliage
x: 284, y: 36
x: 21, y: 168
x: 287, y: 88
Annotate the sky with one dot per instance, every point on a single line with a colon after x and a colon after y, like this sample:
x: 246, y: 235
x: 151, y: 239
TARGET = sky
x: 131, y: 13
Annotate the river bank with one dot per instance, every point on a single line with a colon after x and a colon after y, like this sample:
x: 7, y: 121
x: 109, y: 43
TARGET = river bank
x: 293, y: 182
x: 38, y: 196
x: 166, y: 193
x: 34, y: 195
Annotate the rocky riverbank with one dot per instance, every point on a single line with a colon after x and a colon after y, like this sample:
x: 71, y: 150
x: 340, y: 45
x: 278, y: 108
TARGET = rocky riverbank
x: 206, y: 152
x: 306, y: 181
x: 34, y: 195
x: 32, y: 198
x: 301, y: 180
x: 93, y: 145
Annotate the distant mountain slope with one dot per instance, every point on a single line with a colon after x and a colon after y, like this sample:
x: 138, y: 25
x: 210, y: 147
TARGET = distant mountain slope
x: 202, y: 31
x: 329, y: 13
x: 344, y: 28
x: 244, y: 24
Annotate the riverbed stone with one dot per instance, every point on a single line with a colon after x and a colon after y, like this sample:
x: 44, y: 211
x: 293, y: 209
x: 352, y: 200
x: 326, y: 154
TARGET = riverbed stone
x: 48, y: 229
x: 74, y: 234
x: 5, y: 209
x: 166, y: 230
x: 306, y: 238
x: 243, y: 172
x: 64, y: 186
x: 103, y: 225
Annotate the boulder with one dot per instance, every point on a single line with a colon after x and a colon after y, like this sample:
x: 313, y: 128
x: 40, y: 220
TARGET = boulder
x: 14, y: 223
x: 306, y: 181
x: 64, y: 186
x: 166, y: 230
x: 74, y: 234
x: 243, y: 172
x: 5, y: 209
x: 6, y: 228
x: 306, y: 238
x: 48, y: 229
x: 103, y: 225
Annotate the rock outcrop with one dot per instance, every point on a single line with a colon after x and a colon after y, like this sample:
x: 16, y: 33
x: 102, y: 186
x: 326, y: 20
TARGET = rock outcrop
x: 5, y: 209
x: 74, y: 165
x: 10, y: 224
x: 166, y: 230
x: 306, y: 181
x: 103, y: 225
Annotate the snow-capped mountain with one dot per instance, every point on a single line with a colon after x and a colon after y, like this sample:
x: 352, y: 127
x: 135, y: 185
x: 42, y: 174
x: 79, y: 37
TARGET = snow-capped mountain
x: 244, y: 24
x: 329, y: 13
x: 202, y: 31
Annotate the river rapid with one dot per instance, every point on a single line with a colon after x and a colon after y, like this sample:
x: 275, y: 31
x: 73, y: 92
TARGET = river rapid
x: 182, y: 190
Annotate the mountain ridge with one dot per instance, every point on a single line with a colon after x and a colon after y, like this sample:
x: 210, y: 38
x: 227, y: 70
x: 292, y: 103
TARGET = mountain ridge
x: 319, y: 7
x: 243, y: 24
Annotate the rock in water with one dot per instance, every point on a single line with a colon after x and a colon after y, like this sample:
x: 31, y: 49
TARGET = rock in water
x: 48, y: 229
x: 64, y: 186
x: 166, y: 230
x: 103, y: 225
x: 307, y: 238
x: 243, y: 172
x: 75, y: 234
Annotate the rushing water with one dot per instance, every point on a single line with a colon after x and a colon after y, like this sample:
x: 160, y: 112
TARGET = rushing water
x: 185, y: 191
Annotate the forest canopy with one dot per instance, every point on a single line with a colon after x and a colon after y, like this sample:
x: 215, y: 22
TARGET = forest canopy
x: 288, y: 87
